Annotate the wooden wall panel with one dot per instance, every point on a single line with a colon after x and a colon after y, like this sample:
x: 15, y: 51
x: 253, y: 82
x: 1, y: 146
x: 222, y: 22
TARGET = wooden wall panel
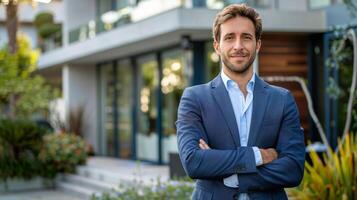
x: 286, y: 55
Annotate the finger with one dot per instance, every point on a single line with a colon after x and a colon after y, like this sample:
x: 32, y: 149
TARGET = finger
x: 273, y: 152
x: 204, y: 144
x: 207, y: 146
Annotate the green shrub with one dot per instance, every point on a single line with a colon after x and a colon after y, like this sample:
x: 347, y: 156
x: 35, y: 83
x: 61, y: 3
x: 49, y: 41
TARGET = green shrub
x: 47, y: 30
x: 334, y: 178
x: 173, y: 190
x: 61, y: 153
x: 26, y: 151
x: 45, y: 25
x: 43, y: 18
x: 20, y: 144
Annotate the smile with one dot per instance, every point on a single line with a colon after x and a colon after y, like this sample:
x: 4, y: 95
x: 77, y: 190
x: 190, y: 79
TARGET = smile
x: 238, y: 56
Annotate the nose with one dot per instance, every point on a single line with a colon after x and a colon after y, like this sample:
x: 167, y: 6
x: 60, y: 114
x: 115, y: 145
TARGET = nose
x: 238, y: 45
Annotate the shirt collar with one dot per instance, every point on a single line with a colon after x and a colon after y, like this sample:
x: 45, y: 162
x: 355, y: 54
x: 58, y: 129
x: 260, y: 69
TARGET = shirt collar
x: 228, y: 83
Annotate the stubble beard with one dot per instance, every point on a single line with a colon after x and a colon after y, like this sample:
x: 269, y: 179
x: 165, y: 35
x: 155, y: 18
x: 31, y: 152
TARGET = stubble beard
x: 236, y: 69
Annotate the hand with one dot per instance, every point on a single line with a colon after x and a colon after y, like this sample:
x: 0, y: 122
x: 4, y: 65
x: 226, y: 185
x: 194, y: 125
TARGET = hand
x: 268, y: 155
x: 203, y: 145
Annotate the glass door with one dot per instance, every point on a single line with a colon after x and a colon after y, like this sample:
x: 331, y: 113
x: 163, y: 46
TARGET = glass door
x: 147, y: 136
x: 124, y: 89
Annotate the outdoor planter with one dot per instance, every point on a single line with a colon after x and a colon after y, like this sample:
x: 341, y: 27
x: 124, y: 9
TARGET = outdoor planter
x: 175, y: 166
x: 14, y: 185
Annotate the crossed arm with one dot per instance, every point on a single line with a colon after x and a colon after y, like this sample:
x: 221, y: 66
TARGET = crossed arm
x: 268, y: 155
x: 201, y: 162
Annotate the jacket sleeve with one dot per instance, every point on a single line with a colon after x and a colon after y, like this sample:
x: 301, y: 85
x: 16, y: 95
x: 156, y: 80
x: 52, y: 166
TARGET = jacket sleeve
x: 288, y: 169
x: 206, y: 164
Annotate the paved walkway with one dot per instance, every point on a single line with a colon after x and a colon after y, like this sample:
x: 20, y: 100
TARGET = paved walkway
x: 39, y: 195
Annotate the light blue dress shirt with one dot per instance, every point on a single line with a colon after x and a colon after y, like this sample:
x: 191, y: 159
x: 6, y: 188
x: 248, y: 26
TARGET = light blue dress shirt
x: 243, y: 108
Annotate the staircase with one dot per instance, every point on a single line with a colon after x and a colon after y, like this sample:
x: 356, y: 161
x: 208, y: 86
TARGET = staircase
x: 102, y: 174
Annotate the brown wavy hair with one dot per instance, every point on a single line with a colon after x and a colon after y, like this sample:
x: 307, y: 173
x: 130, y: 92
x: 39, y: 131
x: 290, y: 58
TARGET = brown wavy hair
x: 233, y: 11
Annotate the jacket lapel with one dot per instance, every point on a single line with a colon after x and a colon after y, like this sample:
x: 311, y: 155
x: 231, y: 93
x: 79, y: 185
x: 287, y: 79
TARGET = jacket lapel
x: 260, y: 99
x: 223, y: 101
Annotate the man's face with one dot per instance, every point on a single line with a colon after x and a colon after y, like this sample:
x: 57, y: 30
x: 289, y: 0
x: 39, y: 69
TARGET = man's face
x: 237, y: 45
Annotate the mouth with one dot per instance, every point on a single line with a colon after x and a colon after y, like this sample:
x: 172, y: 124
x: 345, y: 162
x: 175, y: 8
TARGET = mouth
x: 238, y: 55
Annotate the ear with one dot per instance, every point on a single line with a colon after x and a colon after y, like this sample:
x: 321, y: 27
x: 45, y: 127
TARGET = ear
x: 259, y: 44
x: 216, y: 47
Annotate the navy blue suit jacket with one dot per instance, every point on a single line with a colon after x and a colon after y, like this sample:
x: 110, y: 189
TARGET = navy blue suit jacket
x: 206, y: 112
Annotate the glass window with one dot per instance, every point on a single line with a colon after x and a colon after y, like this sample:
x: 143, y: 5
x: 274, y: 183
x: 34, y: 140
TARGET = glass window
x: 107, y: 91
x: 124, y: 88
x: 218, y: 4
x: 147, y: 136
x: 261, y: 3
x: 124, y: 3
x: 319, y: 3
x: 116, y: 98
x: 213, y: 63
x: 103, y: 6
x: 172, y: 85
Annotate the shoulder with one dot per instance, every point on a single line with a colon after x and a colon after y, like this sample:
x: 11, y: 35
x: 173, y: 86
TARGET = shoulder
x: 277, y: 90
x: 198, y: 89
x: 282, y: 95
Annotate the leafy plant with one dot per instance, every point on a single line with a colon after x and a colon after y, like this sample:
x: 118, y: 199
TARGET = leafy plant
x: 341, y: 61
x: 21, y: 93
x: 173, y: 190
x: 61, y: 153
x: 334, y: 178
x: 48, y: 30
x: 20, y: 144
x: 43, y: 18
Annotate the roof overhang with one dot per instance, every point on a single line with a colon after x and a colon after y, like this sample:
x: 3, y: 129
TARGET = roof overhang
x: 166, y: 29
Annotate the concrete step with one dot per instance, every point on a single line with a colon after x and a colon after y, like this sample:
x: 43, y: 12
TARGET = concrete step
x: 90, y: 182
x: 105, y: 176
x: 102, y: 174
x: 77, y: 190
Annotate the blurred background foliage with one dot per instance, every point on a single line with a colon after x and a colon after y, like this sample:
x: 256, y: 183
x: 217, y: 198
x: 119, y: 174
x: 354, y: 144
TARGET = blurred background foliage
x: 28, y: 151
x: 330, y: 179
x: 22, y: 92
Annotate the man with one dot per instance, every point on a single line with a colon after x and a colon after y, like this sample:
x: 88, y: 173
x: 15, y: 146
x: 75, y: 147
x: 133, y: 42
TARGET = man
x: 237, y: 135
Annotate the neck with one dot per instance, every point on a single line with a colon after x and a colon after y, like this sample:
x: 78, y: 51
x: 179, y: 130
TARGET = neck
x: 241, y: 79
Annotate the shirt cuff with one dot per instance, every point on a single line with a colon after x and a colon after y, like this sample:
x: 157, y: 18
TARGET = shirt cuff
x: 231, y: 181
x: 258, y: 156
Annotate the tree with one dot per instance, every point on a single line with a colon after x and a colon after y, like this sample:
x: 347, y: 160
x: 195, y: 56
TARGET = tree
x: 12, y: 23
x: 21, y: 92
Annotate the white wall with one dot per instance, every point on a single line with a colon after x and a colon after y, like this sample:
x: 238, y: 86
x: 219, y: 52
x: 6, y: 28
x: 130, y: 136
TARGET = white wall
x: 3, y: 36
x: 77, y: 13
x: 80, y: 89
x: 29, y: 31
x: 339, y: 15
x: 296, y: 5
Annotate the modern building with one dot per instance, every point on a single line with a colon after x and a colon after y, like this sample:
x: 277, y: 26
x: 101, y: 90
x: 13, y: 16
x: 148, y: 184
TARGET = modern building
x: 127, y: 62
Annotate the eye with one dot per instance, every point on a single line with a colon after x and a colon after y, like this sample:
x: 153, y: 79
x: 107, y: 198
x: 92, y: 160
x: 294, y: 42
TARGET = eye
x: 247, y: 37
x: 228, y: 37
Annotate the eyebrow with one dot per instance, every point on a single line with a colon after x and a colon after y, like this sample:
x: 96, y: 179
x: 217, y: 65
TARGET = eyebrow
x: 247, y: 34
x: 244, y: 34
x: 228, y: 34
